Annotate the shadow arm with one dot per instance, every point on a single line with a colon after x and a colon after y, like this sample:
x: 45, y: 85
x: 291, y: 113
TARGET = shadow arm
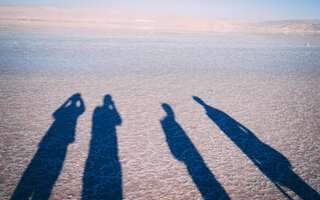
x: 81, y: 108
x: 59, y: 110
x: 117, y: 119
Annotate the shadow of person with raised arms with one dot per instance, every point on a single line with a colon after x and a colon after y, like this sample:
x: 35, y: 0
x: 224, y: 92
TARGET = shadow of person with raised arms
x: 183, y: 150
x: 39, y: 178
x: 102, y: 173
x: 272, y: 163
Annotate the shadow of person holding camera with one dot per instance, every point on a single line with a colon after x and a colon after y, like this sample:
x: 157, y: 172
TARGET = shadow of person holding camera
x: 102, y: 175
x: 39, y: 178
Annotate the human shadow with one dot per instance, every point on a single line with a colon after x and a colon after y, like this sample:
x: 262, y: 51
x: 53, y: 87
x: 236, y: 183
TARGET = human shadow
x: 102, y: 173
x: 270, y: 162
x: 183, y: 150
x: 39, y: 178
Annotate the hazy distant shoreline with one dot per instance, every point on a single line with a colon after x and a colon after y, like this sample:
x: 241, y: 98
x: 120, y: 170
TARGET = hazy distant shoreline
x: 120, y: 20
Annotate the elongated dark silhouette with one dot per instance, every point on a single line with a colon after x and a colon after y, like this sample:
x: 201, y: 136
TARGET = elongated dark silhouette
x: 102, y: 174
x: 39, y: 178
x: 270, y: 162
x: 183, y: 150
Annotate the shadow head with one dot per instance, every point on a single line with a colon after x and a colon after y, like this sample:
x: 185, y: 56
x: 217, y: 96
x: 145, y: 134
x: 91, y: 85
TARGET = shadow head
x: 168, y: 110
x: 76, y: 96
x: 197, y: 99
x: 74, y: 100
x: 107, y: 99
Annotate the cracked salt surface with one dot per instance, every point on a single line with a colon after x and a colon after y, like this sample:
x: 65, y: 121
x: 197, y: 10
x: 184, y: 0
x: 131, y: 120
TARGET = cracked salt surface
x: 281, y: 109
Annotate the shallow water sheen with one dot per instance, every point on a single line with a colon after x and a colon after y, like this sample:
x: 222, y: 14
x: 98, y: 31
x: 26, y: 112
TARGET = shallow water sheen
x: 102, y: 52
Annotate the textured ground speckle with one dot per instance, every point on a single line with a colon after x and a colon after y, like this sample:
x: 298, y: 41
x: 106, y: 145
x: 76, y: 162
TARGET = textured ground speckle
x: 281, y: 109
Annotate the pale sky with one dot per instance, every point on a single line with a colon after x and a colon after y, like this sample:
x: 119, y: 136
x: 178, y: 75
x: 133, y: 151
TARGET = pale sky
x: 224, y: 9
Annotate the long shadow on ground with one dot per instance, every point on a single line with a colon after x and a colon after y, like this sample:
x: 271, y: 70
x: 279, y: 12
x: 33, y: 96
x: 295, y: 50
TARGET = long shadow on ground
x: 182, y: 149
x: 39, y: 178
x: 102, y: 174
x: 270, y: 162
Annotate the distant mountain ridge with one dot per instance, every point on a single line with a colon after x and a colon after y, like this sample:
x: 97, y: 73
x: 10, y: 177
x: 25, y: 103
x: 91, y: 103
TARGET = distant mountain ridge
x: 124, y: 20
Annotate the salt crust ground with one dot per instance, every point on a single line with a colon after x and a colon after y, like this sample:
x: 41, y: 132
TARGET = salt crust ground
x: 281, y: 109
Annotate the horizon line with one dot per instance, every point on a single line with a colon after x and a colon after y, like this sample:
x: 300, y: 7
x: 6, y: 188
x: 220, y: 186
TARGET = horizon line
x: 163, y: 15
